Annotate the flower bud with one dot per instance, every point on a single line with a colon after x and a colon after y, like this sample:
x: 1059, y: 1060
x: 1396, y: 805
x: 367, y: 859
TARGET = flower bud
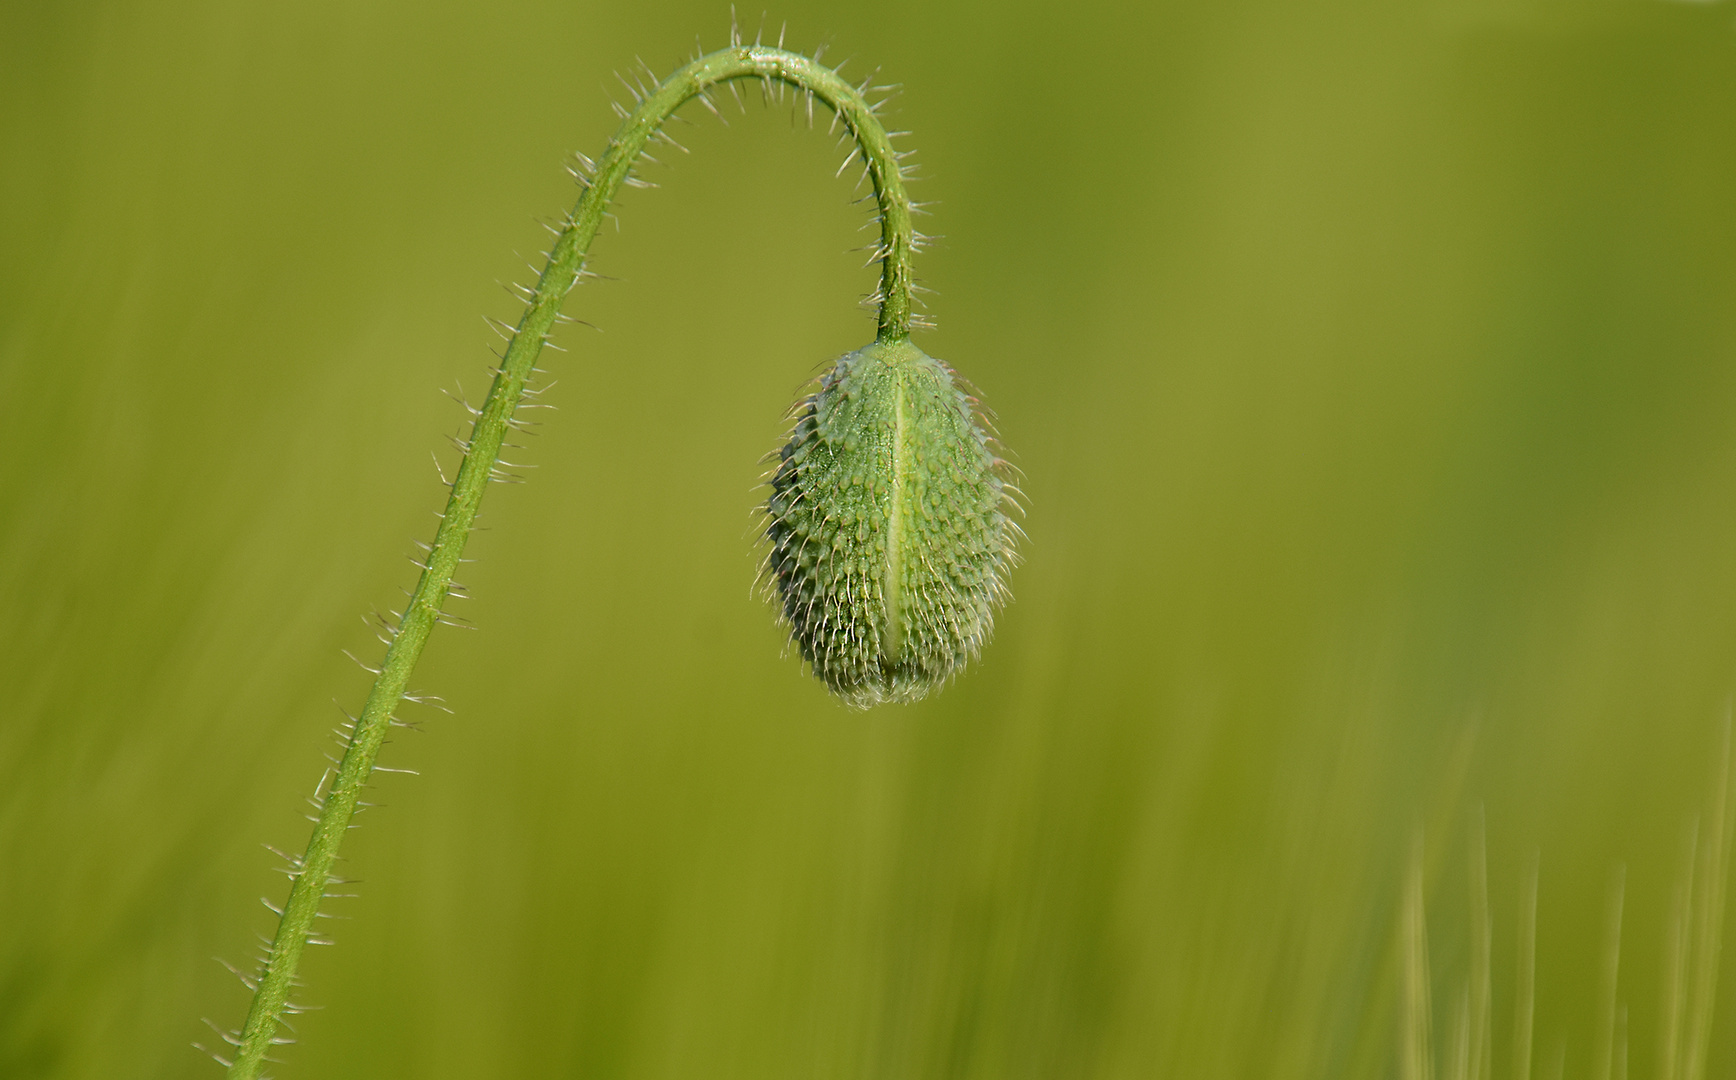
x: 889, y: 542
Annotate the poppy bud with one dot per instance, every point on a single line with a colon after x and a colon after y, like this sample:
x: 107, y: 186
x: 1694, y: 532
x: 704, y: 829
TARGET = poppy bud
x: 889, y: 541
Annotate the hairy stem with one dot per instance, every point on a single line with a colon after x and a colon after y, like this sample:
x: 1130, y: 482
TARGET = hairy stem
x: 312, y: 872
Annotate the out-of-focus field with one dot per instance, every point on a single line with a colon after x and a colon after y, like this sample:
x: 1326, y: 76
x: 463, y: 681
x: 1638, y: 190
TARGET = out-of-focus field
x: 1373, y: 373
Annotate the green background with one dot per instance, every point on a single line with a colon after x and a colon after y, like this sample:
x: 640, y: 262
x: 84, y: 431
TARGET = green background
x: 1370, y: 367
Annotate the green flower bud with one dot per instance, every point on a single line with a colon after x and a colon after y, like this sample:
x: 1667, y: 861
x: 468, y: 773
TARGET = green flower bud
x: 889, y: 542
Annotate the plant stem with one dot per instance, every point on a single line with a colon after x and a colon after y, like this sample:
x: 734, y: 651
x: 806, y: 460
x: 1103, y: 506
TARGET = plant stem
x: 312, y: 872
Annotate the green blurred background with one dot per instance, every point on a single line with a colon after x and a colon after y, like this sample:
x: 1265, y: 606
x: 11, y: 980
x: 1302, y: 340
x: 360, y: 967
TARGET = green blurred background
x: 1370, y: 366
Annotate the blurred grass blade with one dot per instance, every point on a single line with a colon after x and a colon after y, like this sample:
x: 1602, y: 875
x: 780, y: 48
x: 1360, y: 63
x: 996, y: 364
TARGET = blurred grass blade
x: 1417, y: 1062
x: 1459, y: 1065
x: 1621, y: 1042
x: 1709, y: 916
x: 1606, y: 1015
x: 1676, y: 941
x: 1480, y: 986
x: 1525, y: 992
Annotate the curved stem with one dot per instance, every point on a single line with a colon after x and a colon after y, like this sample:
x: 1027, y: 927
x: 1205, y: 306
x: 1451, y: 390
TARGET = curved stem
x: 312, y: 872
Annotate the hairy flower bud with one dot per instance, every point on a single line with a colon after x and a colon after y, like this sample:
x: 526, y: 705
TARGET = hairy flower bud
x: 889, y: 541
